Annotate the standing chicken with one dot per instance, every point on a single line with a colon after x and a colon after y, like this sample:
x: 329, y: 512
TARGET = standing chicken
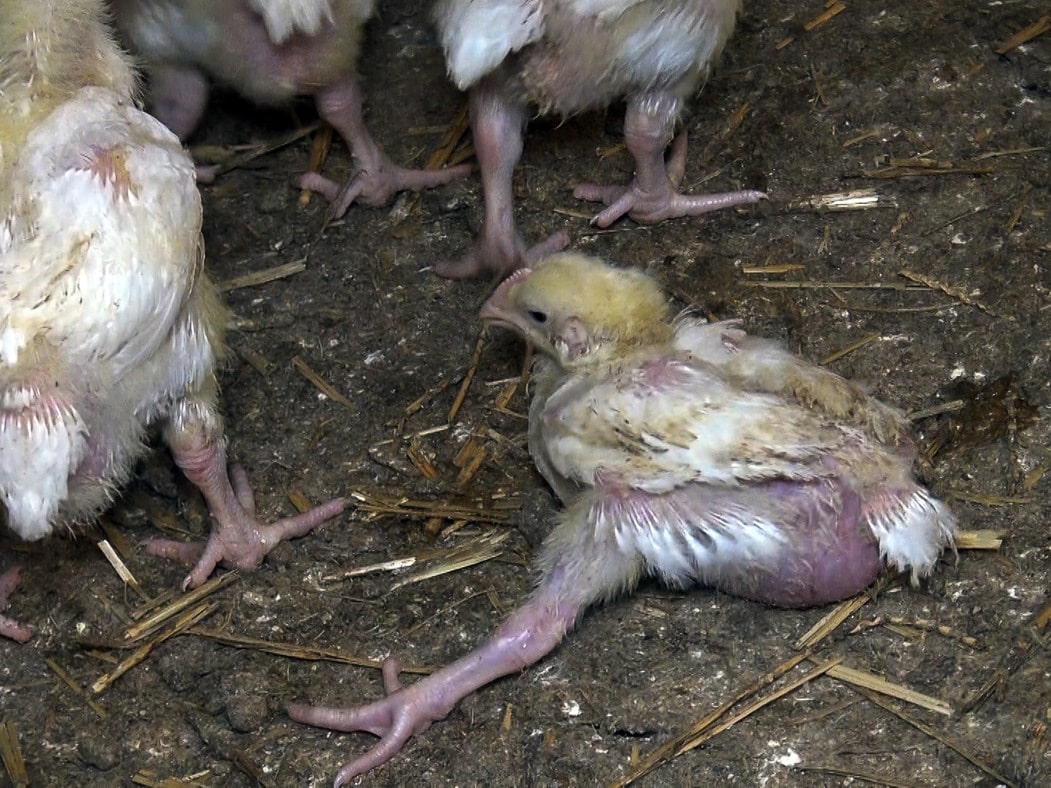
x: 683, y: 450
x: 567, y: 56
x: 108, y: 322
x: 270, y: 51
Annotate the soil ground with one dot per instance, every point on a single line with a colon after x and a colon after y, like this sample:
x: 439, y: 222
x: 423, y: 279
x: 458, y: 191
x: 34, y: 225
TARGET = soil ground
x: 868, y: 100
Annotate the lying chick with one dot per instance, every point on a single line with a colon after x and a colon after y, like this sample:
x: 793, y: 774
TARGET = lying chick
x: 678, y: 452
x: 270, y: 51
x: 568, y: 56
x: 108, y: 322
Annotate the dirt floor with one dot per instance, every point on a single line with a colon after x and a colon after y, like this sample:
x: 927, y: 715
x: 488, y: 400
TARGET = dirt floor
x: 938, y: 295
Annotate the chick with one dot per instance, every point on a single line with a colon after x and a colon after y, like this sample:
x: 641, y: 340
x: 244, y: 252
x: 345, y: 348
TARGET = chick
x: 270, y: 51
x: 108, y: 322
x: 568, y: 56
x: 682, y: 450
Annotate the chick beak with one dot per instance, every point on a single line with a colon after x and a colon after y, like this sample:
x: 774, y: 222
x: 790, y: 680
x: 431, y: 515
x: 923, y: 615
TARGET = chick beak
x: 498, y: 307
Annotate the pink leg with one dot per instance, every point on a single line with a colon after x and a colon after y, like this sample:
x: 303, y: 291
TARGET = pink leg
x: 578, y: 570
x: 180, y: 95
x: 378, y: 179
x: 531, y: 632
x: 9, y: 628
x: 496, y: 124
x: 654, y: 194
x: 237, y: 538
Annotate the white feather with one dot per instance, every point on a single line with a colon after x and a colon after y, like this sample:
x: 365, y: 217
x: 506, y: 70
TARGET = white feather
x: 284, y: 18
x: 478, y: 34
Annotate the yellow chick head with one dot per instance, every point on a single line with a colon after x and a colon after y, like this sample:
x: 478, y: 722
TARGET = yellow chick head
x: 580, y: 309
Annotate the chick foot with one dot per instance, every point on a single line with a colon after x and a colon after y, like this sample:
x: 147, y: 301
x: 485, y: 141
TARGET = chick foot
x: 9, y: 628
x: 238, y: 540
x: 405, y: 712
x: 378, y: 178
x: 496, y: 125
x: 654, y: 194
x: 377, y: 182
x: 531, y: 631
x: 496, y: 257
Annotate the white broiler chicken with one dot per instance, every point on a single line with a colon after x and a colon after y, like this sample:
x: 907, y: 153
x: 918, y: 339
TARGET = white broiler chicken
x: 568, y: 56
x: 684, y: 450
x: 108, y: 322
x: 270, y: 51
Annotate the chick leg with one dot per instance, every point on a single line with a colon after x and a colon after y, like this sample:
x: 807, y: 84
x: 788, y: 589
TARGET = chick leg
x: 581, y: 572
x: 238, y: 539
x: 496, y: 125
x: 378, y: 178
x: 180, y: 96
x: 654, y: 194
x: 9, y: 628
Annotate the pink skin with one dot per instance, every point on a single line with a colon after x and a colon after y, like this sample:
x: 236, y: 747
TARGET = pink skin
x: 237, y: 540
x: 496, y: 125
x: 654, y: 194
x: 530, y: 633
x: 378, y: 179
x: 9, y: 628
x: 180, y: 96
x: 585, y: 563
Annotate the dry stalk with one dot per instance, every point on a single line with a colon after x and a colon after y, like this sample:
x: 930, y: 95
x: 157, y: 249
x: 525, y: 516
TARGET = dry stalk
x: 256, y: 278
x: 11, y: 754
x: 849, y: 349
x: 320, y: 383
x: 1039, y: 27
x: 441, y: 156
x: 232, y: 157
x: 953, y: 292
x: 706, y: 728
x: 870, y: 681
x: 825, y: 16
x: 840, y: 613
x: 472, y: 368
x: 157, y: 619
x: 854, y: 776
x: 477, y: 551
x: 929, y: 731
x: 182, y: 623
x: 294, y: 651
x: 121, y: 568
x: 493, y: 513
x: 318, y: 153
x: 74, y: 685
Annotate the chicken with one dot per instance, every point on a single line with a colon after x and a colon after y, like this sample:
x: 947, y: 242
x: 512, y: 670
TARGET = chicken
x: 108, y: 321
x: 567, y: 56
x: 684, y: 450
x: 270, y: 51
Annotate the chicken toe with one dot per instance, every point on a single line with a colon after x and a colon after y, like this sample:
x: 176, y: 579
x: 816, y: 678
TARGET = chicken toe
x: 653, y: 195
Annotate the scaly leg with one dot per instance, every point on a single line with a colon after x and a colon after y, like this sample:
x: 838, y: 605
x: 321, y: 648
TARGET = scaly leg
x: 378, y: 178
x: 180, y: 96
x: 578, y: 570
x: 653, y: 195
x: 496, y: 125
x: 238, y: 539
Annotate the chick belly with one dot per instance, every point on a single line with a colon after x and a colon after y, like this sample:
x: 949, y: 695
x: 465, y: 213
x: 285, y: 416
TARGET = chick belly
x: 780, y: 543
x: 245, y: 58
x: 583, y: 63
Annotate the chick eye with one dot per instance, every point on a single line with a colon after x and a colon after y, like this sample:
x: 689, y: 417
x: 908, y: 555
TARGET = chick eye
x: 537, y: 316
